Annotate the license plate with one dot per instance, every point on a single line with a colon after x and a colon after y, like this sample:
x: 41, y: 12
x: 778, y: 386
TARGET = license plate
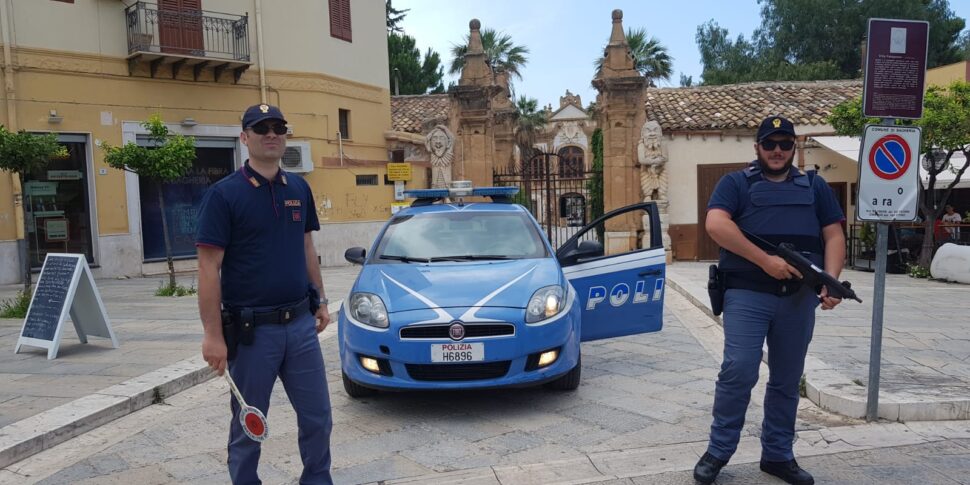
x: 458, y: 352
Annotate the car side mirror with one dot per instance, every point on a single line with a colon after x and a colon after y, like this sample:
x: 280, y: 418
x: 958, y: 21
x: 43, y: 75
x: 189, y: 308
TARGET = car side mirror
x: 355, y: 255
x: 584, y: 250
x: 589, y: 249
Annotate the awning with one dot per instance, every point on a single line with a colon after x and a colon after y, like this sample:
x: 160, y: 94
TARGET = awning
x: 848, y: 147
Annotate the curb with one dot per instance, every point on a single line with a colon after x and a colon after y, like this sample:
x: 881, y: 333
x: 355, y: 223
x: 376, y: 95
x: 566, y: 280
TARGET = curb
x: 45, y: 430
x: 832, y: 391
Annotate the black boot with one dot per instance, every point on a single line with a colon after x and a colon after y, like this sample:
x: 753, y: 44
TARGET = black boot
x: 788, y: 471
x: 706, y: 470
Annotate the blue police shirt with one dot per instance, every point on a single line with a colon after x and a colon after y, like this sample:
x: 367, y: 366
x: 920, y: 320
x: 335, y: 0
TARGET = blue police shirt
x: 260, y: 224
x: 797, y: 220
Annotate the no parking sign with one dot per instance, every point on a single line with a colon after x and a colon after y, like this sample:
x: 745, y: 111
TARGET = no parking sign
x: 889, y: 174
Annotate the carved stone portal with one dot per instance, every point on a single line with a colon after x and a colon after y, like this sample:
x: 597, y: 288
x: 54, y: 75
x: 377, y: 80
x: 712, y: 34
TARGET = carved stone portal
x: 440, y: 145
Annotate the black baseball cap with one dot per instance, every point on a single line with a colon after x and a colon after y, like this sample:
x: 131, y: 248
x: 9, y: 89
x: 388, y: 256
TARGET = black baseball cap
x: 259, y: 112
x: 773, y: 125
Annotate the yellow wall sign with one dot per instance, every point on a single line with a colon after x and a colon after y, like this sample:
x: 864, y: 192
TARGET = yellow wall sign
x: 399, y: 172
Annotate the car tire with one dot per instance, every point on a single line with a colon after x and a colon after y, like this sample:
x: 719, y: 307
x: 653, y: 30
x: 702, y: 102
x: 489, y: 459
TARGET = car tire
x: 570, y: 381
x: 356, y: 390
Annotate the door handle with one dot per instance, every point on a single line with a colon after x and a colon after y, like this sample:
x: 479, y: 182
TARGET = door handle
x: 652, y: 272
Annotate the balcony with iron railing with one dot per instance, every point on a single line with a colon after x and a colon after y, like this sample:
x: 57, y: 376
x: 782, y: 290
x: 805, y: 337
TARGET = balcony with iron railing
x: 186, y: 39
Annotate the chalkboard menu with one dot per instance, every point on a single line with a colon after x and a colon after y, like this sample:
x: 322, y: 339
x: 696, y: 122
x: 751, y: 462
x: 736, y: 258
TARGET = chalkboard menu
x: 66, y: 287
x: 49, y: 297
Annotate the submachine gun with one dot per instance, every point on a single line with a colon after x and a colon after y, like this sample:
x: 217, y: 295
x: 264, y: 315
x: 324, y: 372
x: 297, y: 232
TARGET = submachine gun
x: 812, y: 275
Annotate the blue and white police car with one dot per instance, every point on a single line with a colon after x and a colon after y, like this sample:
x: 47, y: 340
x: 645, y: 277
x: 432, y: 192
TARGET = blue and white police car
x: 470, y: 295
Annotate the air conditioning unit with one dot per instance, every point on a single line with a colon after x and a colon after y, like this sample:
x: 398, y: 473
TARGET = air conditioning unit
x: 297, y: 157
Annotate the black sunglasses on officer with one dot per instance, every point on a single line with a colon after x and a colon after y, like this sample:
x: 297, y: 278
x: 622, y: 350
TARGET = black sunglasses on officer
x: 264, y: 127
x: 770, y: 145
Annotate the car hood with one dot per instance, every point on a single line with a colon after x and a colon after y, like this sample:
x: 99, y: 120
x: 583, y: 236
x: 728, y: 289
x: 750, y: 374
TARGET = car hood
x: 405, y: 287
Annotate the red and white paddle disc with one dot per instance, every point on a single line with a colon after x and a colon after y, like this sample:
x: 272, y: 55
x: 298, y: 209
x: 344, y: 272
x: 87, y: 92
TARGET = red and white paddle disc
x: 253, y: 420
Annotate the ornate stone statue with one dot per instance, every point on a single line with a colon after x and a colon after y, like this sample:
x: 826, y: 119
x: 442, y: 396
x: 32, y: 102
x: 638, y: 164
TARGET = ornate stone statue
x: 653, y: 181
x: 649, y: 151
x: 440, y: 144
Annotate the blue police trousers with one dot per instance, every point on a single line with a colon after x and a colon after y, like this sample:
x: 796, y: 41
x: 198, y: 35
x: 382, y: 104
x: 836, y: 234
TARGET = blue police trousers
x: 751, y: 318
x: 291, y: 352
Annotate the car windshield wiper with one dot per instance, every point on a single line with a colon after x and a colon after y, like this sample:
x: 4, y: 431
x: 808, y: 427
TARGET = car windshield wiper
x: 406, y: 259
x: 470, y: 257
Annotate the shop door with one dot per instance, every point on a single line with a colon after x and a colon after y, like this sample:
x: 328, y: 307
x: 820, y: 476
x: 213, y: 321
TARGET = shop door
x: 707, y: 178
x: 182, y: 199
x: 58, y: 207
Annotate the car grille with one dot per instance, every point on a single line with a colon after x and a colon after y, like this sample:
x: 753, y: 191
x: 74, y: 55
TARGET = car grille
x: 458, y: 372
x: 471, y: 330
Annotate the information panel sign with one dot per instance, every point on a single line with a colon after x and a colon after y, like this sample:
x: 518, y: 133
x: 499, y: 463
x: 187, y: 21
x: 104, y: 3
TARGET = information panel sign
x: 895, y: 68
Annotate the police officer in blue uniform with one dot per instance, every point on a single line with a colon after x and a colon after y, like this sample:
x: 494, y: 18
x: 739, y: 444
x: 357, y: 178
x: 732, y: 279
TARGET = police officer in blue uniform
x: 764, y: 299
x: 259, y: 288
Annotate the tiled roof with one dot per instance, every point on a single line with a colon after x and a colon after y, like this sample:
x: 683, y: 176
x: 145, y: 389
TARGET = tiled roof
x: 409, y: 113
x: 740, y: 106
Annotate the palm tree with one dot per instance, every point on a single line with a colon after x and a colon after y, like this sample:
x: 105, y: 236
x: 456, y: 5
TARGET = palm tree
x: 530, y: 121
x: 500, y: 54
x: 650, y: 57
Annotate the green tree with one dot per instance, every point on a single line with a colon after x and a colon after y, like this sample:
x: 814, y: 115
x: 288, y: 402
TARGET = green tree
x: 394, y: 17
x: 686, y: 81
x: 166, y: 158
x: 650, y: 57
x: 529, y: 122
x: 500, y: 54
x: 946, y: 131
x: 594, y: 186
x: 410, y: 74
x: 22, y: 153
x: 818, y: 39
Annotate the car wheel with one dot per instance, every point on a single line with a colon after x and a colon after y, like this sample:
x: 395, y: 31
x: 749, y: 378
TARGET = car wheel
x: 356, y: 390
x: 570, y: 381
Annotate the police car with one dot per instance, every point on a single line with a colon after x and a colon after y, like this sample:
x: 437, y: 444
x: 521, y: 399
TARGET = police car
x: 470, y: 295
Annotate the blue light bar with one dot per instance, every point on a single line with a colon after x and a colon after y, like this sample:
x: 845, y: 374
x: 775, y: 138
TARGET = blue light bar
x: 426, y: 193
x: 492, y: 191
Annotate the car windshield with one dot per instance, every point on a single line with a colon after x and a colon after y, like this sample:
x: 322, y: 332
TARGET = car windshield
x: 460, y: 236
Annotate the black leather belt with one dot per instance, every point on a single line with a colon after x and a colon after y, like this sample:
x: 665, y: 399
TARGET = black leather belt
x: 279, y: 316
x: 776, y: 287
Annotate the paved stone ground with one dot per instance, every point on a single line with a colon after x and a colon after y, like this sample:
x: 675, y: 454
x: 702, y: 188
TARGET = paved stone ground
x: 636, y: 392
x: 926, y: 335
x: 152, y: 332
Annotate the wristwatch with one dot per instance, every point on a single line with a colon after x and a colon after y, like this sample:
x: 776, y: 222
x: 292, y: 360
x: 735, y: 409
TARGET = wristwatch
x: 324, y: 301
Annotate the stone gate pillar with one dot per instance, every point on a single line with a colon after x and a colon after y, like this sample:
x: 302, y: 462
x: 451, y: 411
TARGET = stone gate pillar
x: 621, y: 105
x: 476, y: 131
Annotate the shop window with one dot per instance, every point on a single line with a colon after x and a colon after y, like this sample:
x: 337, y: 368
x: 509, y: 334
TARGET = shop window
x: 340, y: 20
x: 182, y: 199
x: 57, y: 205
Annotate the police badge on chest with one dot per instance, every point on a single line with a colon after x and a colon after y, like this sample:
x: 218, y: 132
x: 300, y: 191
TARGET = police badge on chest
x: 294, y: 206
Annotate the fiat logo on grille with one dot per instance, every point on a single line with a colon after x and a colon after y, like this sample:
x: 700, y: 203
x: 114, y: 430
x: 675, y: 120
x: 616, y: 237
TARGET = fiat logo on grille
x: 456, y: 331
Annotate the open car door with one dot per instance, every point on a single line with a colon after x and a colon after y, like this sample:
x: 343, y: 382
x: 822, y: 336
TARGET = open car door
x: 618, y: 272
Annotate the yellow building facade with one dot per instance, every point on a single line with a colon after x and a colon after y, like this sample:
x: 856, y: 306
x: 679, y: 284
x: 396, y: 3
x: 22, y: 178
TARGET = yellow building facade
x: 92, y: 70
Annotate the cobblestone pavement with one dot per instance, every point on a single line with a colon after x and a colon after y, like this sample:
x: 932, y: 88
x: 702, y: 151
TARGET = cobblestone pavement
x: 636, y: 392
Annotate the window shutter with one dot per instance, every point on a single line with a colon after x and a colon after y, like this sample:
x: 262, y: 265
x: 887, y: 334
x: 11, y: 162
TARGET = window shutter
x: 340, y: 20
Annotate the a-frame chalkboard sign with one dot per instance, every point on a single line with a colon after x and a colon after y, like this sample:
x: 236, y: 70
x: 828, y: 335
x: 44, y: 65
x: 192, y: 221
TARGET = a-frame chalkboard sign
x: 65, y: 287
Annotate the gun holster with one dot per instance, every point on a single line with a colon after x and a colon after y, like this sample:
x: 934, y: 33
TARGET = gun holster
x: 313, y: 296
x: 247, y: 326
x: 230, y: 333
x: 715, y: 289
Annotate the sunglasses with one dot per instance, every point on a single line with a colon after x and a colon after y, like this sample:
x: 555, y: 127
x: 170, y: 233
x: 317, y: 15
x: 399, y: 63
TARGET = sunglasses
x: 263, y: 128
x: 771, y: 144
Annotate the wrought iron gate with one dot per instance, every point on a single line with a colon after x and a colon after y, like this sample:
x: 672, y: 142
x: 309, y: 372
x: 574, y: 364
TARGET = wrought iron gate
x: 558, y: 192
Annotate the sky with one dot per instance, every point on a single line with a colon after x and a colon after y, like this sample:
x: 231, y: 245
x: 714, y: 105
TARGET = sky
x: 564, y: 37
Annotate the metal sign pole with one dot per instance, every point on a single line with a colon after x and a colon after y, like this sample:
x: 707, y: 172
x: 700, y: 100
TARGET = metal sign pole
x: 878, y: 300
x: 878, y: 304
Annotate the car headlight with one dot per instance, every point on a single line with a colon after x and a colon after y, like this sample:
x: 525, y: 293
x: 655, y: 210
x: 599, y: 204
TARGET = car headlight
x: 369, y: 309
x: 546, y: 302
